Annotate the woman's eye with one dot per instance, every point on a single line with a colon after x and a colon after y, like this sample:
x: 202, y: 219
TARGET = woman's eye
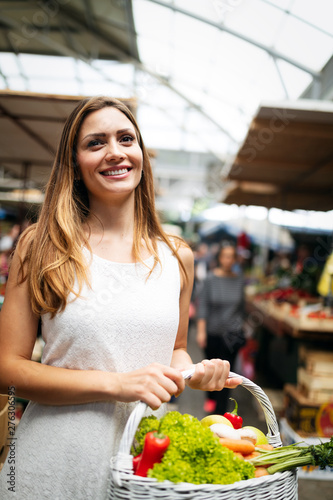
x: 127, y: 138
x: 94, y: 142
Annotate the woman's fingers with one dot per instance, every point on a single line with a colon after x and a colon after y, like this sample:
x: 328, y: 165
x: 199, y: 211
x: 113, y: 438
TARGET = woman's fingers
x: 233, y: 382
x: 155, y: 398
x: 219, y: 374
x: 154, y: 384
x: 210, y: 375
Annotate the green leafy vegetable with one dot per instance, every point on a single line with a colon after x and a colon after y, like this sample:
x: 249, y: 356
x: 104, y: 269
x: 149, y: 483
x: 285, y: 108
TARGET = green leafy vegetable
x: 195, y: 454
x: 288, y: 457
x: 147, y: 424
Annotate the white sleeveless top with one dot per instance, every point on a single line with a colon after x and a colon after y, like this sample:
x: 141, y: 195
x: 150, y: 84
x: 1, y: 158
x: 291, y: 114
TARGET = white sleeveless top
x: 123, y: 322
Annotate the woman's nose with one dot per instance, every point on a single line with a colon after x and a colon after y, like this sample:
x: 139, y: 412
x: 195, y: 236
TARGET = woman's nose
x: 114, y: 152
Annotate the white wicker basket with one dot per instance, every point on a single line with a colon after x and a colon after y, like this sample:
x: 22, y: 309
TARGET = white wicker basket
x: 124, y: 485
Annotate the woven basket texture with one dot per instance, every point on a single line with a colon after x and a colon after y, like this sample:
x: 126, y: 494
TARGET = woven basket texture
x: 126, y: 486
x: 280, y: 486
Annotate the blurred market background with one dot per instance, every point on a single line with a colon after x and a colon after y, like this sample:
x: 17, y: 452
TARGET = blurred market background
x: 234, y: 99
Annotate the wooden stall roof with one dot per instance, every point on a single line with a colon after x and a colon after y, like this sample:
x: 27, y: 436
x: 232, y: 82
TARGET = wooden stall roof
x: 30, y: 128
x: 286, y: 160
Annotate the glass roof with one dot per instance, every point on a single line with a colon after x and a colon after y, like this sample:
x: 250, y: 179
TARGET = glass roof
x: 205, y: 66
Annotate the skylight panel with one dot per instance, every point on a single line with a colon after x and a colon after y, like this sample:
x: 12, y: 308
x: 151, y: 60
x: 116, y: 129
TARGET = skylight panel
x: 53, y: 86
x: 8, y: 64
x: 256, y: 20
x: 36, y: 66
x: 304, y: 44
x: 295, y: 80
x: 319, y: 14
x: 17, y: 83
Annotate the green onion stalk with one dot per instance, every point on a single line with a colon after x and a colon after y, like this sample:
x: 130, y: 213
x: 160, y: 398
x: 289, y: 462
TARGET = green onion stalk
x: 289, y: 457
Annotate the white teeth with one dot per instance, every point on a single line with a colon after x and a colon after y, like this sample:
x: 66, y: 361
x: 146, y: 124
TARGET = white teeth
x: 115, y: 172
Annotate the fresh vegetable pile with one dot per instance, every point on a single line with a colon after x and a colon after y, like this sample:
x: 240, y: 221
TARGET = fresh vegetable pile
x: 180, y: 448
x: 194, y: 454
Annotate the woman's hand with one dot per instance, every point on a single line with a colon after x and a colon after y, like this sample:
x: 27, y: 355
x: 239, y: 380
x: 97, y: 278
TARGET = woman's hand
x: 212, y: 375
x: 154, y: 385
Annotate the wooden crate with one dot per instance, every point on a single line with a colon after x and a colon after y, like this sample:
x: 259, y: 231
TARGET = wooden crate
x: 318, y: 388
x: 317, y: 363
x: 300, y: 411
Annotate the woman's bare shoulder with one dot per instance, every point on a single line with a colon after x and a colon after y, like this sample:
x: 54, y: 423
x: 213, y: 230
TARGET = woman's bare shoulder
x: 182, y: 249
x: 185, y: 253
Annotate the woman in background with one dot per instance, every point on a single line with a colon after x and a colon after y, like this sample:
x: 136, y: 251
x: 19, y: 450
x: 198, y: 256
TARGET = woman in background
x: 220, y: 318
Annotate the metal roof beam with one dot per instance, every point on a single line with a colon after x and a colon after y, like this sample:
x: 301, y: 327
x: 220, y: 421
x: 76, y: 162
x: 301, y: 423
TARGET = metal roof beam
x: 298, y: 18
x: 139, y: 65
x: 67, y: 51
x: 62, y: 49
x: 269, y: 50
x: 286, y: 93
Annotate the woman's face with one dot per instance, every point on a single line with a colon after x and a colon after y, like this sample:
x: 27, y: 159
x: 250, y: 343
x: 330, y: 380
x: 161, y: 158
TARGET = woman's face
x: 227, y: 258
x: 108, y: 154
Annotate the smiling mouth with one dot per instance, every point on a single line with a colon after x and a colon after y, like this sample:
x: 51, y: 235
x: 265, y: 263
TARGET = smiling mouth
x: 119, y: 171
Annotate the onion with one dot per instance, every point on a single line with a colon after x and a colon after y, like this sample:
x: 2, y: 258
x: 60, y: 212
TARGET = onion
x: 224, y: 431
x: 248, y: 434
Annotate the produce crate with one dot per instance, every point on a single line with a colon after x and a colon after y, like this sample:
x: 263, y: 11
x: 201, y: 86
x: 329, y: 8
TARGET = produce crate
x: 289, y: 436
x: 300, y: 411
x: 317, y: 363
x: 318, y: 388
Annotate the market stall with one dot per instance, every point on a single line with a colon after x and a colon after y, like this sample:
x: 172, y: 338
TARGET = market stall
x: 286, y: 162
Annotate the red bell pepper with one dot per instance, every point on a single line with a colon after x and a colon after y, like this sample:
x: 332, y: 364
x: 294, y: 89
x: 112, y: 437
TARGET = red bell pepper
x: 136, y: 461
x: 154, y: 447
x: 235, y: 419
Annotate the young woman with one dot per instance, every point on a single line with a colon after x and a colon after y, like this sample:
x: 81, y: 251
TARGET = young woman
x: 112, y: 291
x: 220, y: 318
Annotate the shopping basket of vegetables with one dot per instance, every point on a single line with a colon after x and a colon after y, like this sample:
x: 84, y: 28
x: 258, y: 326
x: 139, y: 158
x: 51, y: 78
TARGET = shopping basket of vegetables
x: 178, y: 458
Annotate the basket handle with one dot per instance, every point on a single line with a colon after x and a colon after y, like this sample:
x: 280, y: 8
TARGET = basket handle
x: 273, y: 434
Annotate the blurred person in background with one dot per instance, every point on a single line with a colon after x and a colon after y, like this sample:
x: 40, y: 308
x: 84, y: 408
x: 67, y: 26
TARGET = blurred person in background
x: 305, y: 271
x: 220, y: 318
x: 7, y: 244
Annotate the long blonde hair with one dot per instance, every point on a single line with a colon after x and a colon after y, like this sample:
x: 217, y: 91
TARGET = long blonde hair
x: 53, y: 254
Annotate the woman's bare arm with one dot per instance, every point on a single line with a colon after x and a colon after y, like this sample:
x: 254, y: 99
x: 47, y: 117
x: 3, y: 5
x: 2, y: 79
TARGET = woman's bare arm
x: 60, y: 386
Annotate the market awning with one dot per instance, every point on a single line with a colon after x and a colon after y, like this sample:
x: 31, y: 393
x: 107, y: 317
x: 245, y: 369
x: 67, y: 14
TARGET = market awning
x: 286, y: 160
x: 81, y: 29
x: 30, y: 128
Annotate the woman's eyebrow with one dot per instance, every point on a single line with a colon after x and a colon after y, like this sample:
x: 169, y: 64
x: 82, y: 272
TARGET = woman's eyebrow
x: 128, y: 129
x: 97, y: 134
